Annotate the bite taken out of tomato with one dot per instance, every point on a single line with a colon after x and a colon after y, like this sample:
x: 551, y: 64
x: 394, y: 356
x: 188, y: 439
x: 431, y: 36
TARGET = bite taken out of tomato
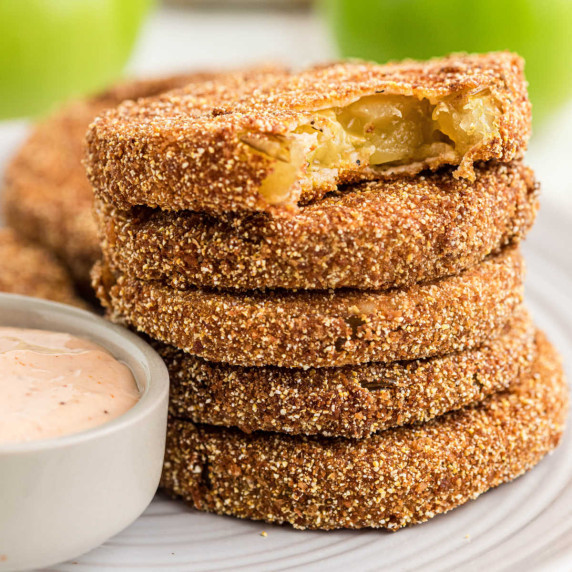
x: 539, y: 30
x: 51, y: 50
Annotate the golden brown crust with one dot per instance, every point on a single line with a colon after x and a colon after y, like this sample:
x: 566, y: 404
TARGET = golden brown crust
x: 350, y: 401
x: 322, y: 329
x: 31, y: 271
x: 374, y: 236
x: 186, y: 149
x: 47, y: 197
x: 391, y: 479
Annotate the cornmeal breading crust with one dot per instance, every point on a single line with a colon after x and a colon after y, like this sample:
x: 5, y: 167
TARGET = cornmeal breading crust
x: 322, y: 328
x: 391, y: 479
x: 47, y: 197
x: 350, y: 401
x: 32, y: 271
x: 186, y: 149
x: 374, y: 236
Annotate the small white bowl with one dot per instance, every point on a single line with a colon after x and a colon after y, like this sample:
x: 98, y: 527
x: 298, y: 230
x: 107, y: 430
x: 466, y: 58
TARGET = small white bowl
x: 62, y: 497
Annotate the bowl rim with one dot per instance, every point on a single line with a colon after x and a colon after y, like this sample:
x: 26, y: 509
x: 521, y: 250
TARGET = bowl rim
x: 155, y: 382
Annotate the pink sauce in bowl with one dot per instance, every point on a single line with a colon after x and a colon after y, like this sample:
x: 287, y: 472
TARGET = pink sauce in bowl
x: 63, y: 496
x: 54, y: 384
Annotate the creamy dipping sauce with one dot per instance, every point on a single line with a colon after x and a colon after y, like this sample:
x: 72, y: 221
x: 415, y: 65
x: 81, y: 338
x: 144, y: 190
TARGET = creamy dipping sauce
x: 54, y: 384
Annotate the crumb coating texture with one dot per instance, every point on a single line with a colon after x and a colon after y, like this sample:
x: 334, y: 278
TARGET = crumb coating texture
x: 373, y: 236
x: 391, y: 479
x: 322, y: 328
x: 47, y: 198
x: 32, y: 271
x: 350, y: 401
x: 186, y: 150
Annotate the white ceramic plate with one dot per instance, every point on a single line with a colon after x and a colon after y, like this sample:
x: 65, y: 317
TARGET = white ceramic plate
x: 524, y: 525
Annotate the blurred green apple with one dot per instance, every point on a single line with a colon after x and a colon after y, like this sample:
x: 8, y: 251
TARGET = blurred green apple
x: 539, y: 30
x: 51, y: 50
